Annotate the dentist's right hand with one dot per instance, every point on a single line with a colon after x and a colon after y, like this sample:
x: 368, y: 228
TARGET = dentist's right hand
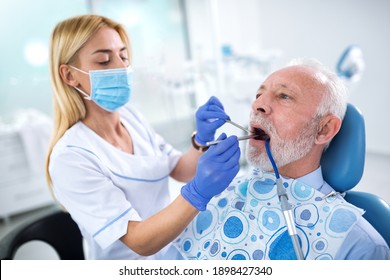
x: 216, y: 168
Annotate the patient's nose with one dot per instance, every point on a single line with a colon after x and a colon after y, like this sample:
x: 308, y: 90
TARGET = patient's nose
x: 261, y: 105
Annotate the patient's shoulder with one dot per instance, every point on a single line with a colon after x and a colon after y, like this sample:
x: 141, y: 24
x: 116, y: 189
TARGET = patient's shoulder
x: 364, y: 242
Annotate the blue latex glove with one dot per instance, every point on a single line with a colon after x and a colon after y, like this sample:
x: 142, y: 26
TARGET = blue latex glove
x: 209, y: 117
x: 216, y: 169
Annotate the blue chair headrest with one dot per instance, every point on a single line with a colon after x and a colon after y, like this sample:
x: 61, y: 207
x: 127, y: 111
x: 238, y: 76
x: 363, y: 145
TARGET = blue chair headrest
x: 343, y: 162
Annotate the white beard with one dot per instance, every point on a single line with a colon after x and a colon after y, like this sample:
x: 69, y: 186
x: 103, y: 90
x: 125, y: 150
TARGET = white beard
x: 283, y: 151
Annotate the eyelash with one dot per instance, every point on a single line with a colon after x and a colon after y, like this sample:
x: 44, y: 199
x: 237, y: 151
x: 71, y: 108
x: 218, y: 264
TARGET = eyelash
x: 108, y: 61
x: 282, y: 96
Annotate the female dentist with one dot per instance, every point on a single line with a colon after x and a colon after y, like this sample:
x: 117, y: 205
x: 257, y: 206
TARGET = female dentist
x: 106, y: 166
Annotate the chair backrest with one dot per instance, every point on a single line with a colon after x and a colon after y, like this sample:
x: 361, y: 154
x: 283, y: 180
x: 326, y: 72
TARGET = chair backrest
x: 57, y: 229
x: 377, y: 211
x: 343, y: 165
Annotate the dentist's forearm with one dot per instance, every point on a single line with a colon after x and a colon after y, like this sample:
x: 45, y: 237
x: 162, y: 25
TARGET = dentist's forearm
x: 186, y: 167
x: 151, y: 235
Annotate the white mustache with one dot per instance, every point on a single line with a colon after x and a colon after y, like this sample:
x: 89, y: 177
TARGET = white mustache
x: 263, y: 123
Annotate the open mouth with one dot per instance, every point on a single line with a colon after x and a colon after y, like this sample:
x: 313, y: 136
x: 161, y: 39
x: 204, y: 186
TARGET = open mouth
x: 260, y: 134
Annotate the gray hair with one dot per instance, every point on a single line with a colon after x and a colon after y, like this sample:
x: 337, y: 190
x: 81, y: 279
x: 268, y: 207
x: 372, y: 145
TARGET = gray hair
x: 334, y: 101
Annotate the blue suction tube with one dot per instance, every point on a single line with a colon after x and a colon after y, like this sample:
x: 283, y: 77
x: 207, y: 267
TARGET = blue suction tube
x: 286, y: 206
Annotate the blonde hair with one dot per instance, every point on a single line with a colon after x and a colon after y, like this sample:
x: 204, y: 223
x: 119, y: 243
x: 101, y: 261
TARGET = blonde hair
x: 67, y: 38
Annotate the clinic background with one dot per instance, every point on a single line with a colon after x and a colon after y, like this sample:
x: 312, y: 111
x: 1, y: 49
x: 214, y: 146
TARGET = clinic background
x: 183, y: 52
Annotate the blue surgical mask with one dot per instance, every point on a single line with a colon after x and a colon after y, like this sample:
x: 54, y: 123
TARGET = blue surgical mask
x: 111, y: 88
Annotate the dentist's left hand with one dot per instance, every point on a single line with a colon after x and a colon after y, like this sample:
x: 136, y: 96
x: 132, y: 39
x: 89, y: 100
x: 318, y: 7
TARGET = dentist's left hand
x: 209, y: 117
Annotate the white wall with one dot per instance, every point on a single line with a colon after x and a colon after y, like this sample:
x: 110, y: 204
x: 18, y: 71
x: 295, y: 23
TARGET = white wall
x: 310, y: 28
x: 323, y: 29
x: 213, y: 24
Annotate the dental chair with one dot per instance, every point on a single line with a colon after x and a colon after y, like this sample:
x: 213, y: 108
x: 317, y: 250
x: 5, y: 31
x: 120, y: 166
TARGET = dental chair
x: 343, y: 165
x: 56, y: 228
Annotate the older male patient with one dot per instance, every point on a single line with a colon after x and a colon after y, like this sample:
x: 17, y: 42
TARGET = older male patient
x: 298, y: 109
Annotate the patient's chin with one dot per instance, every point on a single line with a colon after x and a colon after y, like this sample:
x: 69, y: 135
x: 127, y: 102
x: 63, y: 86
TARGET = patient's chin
x: 257, y: 159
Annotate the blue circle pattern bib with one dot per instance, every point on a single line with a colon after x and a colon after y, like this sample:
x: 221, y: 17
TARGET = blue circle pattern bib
x: 245, y: 222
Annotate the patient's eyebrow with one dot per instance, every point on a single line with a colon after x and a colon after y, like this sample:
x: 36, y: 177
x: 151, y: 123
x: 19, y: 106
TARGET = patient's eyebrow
x: 263, y: 87
x: 292, y: 88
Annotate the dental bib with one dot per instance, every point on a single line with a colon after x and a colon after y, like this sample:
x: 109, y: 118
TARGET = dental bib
x: 245, y: 222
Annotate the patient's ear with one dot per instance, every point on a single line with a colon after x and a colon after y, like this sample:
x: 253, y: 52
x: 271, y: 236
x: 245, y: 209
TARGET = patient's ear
x: 67, y: 76
x: 328, y: 128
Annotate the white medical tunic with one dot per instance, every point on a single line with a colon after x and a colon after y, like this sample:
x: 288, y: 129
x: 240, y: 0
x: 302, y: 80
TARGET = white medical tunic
x: 103, y: 187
